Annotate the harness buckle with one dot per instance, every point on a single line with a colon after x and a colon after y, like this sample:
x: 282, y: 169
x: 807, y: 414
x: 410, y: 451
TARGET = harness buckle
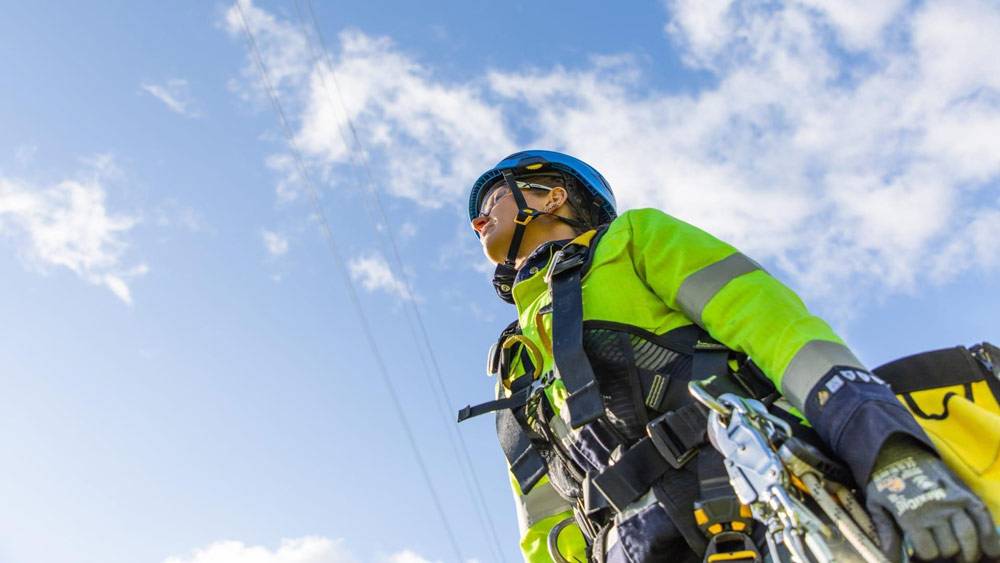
x: 668, y: 443
x: 571, y: 256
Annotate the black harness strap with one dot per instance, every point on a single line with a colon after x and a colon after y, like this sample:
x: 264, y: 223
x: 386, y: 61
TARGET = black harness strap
x: 524, y: 215
x: 632, y: 475
x: 584, y: 400
x: 499, y: 364
x: 526, y: 463
x: 515, y: 401
x: 710, y: 358
x: 673, y: 440
x: 677, y: 496
x: 713, y: 479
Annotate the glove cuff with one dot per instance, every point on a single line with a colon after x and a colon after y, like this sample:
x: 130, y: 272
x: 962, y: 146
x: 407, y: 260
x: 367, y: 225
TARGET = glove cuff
x: 856, y: 414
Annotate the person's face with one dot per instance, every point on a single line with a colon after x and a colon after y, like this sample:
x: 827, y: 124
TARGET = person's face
x: 495, y: 223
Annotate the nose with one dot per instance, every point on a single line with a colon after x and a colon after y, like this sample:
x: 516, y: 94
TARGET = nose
x: 479, y: 223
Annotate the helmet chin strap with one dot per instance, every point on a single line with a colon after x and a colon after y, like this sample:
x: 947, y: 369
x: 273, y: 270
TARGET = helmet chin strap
x: 503, y: 277
x: 525, y: 214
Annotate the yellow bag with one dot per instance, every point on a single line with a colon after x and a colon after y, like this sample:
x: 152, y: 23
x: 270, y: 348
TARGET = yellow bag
x: 954, y: 394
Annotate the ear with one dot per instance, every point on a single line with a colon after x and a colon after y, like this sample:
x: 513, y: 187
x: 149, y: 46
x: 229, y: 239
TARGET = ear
x: 556, y: 197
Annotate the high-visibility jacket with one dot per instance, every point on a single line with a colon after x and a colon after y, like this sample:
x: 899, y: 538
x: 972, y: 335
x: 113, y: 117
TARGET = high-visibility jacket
x: 656, y: 273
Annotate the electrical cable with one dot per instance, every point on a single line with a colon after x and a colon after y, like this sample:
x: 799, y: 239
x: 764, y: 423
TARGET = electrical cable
x: 351, y: 289
x: 456, y: 439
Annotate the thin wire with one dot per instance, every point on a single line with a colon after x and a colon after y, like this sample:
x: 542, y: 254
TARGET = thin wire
x: 455, y: 437
x: 351, y: 290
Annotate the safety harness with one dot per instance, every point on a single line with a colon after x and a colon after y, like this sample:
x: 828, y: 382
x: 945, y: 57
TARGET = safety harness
x: 659, y: 427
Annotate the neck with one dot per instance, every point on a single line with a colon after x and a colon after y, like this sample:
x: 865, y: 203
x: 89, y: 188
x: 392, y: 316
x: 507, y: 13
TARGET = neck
x: 539, y: 232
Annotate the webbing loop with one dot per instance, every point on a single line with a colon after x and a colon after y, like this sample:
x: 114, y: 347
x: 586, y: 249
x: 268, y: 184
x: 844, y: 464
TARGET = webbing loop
x: 533, y: 353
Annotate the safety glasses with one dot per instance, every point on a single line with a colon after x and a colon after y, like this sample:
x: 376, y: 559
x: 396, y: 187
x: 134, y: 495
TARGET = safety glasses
x: 501, y: 191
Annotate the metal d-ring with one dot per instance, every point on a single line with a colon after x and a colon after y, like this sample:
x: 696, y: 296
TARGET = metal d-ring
x: 700, y: 392
x: 553, y: 540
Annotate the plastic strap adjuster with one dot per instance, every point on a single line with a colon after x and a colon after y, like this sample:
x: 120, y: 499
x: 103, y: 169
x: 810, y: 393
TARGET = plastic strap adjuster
x: 670, y: 442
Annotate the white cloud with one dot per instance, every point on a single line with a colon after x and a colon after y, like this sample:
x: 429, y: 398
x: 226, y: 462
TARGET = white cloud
x: 703, y: 24
x: 407, y: 556
x: 175, y: 94
x: 974, y: 243
x: 68, y: 225
x: 858, y: 24
x: 309, y: 549
x: 425, y: 138
x: 282, y: 44
x: 375, y: 275
x: 275, y: 243
x: 290, y: 183
x: 850, y: 174
x: 850, y: 177
x: 302, y: 550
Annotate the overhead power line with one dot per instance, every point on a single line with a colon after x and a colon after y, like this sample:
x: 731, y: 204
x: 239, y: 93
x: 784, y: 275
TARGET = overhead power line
x: 314, y: 198
x: 419, y: 333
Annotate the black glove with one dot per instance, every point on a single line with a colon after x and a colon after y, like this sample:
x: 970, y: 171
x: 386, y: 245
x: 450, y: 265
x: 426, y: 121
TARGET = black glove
x: 913, y: 492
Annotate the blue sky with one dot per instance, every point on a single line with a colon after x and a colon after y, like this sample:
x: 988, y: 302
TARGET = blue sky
x: 185, y: 378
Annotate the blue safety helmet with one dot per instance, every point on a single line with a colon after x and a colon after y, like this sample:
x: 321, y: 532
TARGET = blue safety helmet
x: 531, y: 162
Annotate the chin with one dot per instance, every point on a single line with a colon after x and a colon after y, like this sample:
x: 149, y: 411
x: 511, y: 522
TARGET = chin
x: 493, y: 253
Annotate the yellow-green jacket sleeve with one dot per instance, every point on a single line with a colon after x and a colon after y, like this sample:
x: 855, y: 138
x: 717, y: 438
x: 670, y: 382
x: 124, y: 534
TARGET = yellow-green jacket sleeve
x: 538, y: 512
x: 748, y: 310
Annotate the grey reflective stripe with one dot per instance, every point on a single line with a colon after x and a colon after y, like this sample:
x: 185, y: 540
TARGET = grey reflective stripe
x: 700, y: 287
x: 810, y: 364
x: 543, y: 501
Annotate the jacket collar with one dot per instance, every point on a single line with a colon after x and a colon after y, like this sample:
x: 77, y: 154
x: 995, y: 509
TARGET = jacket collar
x: 538, y: 259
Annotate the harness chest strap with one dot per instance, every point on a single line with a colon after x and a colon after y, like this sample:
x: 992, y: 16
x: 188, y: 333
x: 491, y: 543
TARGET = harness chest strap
x: 583, y: 401
x: 517, y: 400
